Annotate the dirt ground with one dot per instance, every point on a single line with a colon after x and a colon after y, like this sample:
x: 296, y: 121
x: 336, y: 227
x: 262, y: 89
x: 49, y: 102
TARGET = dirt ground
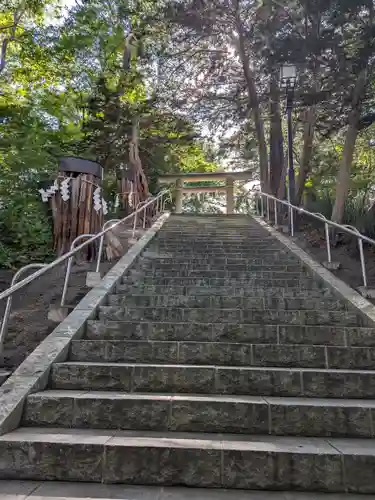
x: 311, y: 237
x: 29, y: 324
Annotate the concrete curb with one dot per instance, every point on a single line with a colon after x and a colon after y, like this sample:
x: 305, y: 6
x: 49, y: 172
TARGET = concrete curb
x: 32, y: 375
x: 345, y: 291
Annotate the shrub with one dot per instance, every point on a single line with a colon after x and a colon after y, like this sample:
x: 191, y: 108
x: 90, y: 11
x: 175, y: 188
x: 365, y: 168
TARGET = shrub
x: 26, y: 231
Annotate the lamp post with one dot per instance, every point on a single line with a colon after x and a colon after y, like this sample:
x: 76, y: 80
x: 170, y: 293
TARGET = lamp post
x: 288, y: 77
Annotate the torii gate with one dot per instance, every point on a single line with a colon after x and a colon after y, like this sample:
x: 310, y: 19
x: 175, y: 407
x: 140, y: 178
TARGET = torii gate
x: 229, y: 178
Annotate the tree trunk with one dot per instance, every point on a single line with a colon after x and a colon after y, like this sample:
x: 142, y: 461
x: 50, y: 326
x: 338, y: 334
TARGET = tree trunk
x: 276, y: 138
x: 254, y: 107
x: 307, y: 149
x: 343, y: 178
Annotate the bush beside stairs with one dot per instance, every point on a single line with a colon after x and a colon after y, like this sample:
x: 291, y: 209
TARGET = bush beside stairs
x: 220, y: 362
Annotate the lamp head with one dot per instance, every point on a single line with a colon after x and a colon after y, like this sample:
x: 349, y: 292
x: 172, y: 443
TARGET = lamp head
x: 288, y: 75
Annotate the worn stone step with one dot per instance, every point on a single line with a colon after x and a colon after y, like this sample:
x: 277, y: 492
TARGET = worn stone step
x: 188, y: 254
x: 201, y: 238
x: 232, y: 332
x: 199, y: 379
x: 230, y: 315
x: 189, y: 247
x: 223, y: 353
x: 193, y: 413
x: 219, y: 261
x: 257, y: 257
x: 249, y: 283
x: 229, y: 291
x: 245, y: 265
x: 218, y: 235
x: 234, y: 273
x: 246, y: 247
x: 52, y: 490
x: 227, y: 243
x: 214, y: 229
x: 188, y: 459
x: 207, y: 301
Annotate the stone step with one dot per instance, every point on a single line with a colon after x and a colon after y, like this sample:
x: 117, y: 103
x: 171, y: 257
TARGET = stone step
x: 220, y: 261
x: 202, y: 237
x: 207, y: 301
x: 215, y: 239
x: 188, y: 459
x: 235, y: 247
x: 249, y: 250
x: 213, y: 266
x: 214, y: 235
x: 193, y: 413
x: 227, y: 242
x: 230, y: 315
x: 248, y: 283
x: 231, y: 332
x: 215, y: 232
x: 213, y: 229
x: 199, y: 379
x: 53, y: 490
x: 223, y: 353
x: 188, y: 254
x: 229, y: 291
x: 231, y: 273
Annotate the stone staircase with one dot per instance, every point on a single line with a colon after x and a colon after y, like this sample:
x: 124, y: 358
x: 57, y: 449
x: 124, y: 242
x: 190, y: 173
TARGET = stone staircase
x: 221, y: 362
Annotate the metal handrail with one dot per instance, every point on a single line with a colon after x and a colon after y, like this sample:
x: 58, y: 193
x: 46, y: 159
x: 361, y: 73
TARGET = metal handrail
x: 139, y: 204
x: 69, y: 266
x: 15, y: 286
x: 327, y: 222
x: 8, y: 306
x: 108, y: 224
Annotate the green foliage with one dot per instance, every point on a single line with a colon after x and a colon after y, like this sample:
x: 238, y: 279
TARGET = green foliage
x: 357, y: 212
x: 72, y: 86
x: 26, y: 232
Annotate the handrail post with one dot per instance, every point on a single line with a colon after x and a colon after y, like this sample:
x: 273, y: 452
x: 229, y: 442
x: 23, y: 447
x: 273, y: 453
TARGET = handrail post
x: 100, y: 251
x: 134, y: 225
x: 66, y: 281
x: 276, y: 221
x: 291, y: 218
x: 268, y: 208
x: 69, y: 266
x: 363, y: 264
x: 101, y: 243
x: 364, y: 291
x: 8, y: 307
x: 261, y: 204
x: 328, y: 243
x: 158, y: 205
x: 144, y: 218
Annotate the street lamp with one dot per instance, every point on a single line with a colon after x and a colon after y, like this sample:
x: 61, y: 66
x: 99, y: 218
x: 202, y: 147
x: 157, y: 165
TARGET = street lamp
x: 288, y: 78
